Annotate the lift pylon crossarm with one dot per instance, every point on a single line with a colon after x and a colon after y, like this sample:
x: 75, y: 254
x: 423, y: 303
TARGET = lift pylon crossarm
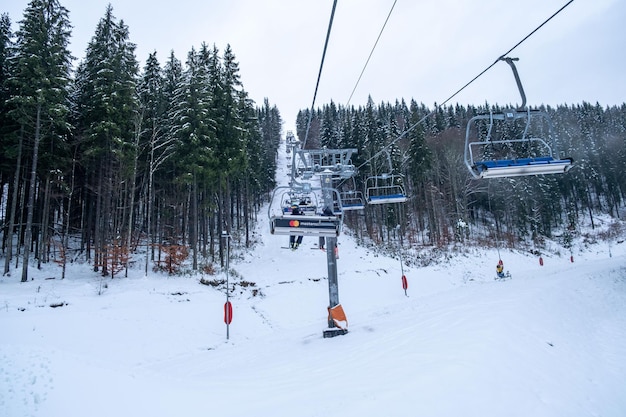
x: 309, y: 162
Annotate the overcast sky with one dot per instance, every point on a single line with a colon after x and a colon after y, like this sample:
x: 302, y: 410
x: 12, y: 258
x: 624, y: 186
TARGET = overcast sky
x: 429, y: 49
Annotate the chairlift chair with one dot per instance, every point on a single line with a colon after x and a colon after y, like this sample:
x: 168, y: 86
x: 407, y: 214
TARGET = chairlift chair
x: 525, y: 154
x: 492, y: 154
x: 290, y: 138
x: 285, y: 223
x: 386, y: 188
x: 307, y: 202
x: 352, y: 200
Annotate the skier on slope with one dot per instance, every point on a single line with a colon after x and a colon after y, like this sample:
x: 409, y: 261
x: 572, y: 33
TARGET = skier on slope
x: 500, y: 269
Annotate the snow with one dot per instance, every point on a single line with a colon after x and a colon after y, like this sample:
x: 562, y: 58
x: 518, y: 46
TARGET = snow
x: 551, y: 341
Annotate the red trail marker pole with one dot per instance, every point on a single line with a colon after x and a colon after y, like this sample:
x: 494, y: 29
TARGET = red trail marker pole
x: 228, y: 307
x: 228, y: 312
x: 405, y: 283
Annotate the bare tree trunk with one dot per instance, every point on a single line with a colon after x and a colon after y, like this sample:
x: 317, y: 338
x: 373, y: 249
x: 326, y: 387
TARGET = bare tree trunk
x: 149, y: 205
x: 66, y: 232
x: 246, y: 211
x: 203, y: 227
x: 107, y: 220
x: 165, y: 151
x: 31, y: 197
x: 16, y: 196
x: 20, y: 229
x: 43, y: 251
x: 193, y: 223
x: 133, y: 186
x: 97, y: 228
x: 86, y: 225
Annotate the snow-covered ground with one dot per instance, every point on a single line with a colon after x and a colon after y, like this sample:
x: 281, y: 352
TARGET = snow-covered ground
x: 551, y: 341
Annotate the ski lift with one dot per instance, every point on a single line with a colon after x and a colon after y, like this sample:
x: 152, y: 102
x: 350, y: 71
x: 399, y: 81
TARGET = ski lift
x: 290, y: 138
x: 494, y: 146
x: 352, y: 199
x: 285, y: 223
x: 306, y: 201
x: 385, y: 188
x: 308, y: 163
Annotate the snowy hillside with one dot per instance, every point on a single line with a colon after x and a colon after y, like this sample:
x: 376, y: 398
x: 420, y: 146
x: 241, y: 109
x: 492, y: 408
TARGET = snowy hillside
x: 551, y: 341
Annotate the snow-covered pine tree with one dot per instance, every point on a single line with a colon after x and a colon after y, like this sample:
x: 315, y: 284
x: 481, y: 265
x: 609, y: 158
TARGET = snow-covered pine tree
x: 108, y: 105
x: 38, y: 103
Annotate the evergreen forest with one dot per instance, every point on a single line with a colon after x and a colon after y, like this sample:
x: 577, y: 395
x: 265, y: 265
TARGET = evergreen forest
x: 111, y: 160
x: 447, y: 205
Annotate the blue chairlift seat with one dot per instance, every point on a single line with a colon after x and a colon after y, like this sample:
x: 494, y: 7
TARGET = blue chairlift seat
x: 385, y: 189
x: 352, y: 200
x: 521, y: 167
x: 386, y: 194
x: 387, y: 198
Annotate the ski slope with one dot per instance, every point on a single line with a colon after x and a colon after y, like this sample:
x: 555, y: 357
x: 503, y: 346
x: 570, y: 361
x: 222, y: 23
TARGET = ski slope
x: 549, y: 342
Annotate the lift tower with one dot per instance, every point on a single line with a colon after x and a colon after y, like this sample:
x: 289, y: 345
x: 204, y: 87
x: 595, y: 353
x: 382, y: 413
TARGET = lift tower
x: 328, y: 166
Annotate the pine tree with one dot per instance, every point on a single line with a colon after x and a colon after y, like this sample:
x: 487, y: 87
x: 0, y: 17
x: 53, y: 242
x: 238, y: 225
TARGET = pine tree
x: 39, y: 96
x: 154, y: 89
x: 232, y: 143
x: 418, y: 153
x: 106, y: 102
x: 329, y: 132
x: 10, y: 164
x: 224, y: 81
x: 230, y: 135
x: 253, y: 159
x: 195, y: 131
x: 7, y: 126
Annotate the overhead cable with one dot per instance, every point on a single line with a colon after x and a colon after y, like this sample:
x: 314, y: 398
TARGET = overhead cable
x: 319, y: 75
x: 437, y: 106
x: 371, y: 52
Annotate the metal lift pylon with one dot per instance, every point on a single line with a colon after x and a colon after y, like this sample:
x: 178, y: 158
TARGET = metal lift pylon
x: 329, y: 165
x: 331, y: 261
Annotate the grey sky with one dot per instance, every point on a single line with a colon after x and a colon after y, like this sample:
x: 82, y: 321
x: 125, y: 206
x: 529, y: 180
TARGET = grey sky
x: 429, y: 49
